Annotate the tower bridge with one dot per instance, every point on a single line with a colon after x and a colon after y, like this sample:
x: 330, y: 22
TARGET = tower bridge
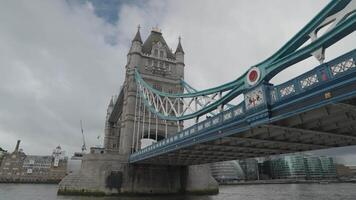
x: 147, y: 149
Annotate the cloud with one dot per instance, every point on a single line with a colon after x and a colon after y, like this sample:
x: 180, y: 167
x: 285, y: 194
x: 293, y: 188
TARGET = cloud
x: 60, y: 62
x: 56, y: 68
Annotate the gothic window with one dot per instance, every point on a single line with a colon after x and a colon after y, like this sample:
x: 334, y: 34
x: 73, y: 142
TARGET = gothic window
x: 149, y: 62
x: 161, y: 54
x: 156, y: 52
x: 155, y: 63
x: 161, y: 64
x: 173, y: 70
x: 168, y: 67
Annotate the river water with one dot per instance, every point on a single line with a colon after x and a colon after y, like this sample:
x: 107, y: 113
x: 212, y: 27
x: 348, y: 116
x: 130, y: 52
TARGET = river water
x: 335, y: 191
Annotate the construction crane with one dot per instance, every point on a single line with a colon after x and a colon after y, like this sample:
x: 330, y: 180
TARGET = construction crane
x: 84, y: 147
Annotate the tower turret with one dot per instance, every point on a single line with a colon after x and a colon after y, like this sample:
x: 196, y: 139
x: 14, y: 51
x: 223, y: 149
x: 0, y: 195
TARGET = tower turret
x: 136, y: 45
x: 135, y: 51
x: 111, y: 106
x: 179, y: 54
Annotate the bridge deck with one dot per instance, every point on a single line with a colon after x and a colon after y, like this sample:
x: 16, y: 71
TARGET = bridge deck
x: 320, y: 117
x: 330, y: 126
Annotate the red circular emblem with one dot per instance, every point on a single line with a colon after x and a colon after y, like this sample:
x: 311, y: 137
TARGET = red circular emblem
x: 253, y: 75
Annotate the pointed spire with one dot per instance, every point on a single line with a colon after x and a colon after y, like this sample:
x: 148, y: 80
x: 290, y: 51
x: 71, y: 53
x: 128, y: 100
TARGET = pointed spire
x: 138, y: 35
x: 179, y: 47
x: 111, y: 102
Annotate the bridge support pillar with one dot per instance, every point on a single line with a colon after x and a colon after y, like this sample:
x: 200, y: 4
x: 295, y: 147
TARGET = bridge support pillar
x: 160, y: 179
x: 110, y: 174
x: 200, y: 181
x: 151, y: 179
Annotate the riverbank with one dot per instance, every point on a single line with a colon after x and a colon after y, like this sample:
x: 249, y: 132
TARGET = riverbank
x: 344, y: 191
x: 30, y: 181
x: 286, y: 181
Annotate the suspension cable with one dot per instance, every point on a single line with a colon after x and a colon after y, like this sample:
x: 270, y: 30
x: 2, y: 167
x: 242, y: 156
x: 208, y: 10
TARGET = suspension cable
x: 165, y: 121
x: 138, y: 125
x: 134, y: 128
x: 149, y: 124
x: 156, y: 128
x: 143, y: 122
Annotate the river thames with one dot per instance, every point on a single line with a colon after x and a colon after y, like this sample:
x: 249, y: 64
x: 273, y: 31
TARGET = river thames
x: 339, y: 191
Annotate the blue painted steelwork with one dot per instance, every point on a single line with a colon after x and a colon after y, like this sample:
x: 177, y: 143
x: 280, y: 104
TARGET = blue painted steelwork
x: 327, y: 77
x: 288, y: 55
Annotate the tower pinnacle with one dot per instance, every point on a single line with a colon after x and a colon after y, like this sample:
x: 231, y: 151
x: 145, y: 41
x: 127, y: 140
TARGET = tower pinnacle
x: 179, y: 47
x: 138, y: 35
x: 111, y: 104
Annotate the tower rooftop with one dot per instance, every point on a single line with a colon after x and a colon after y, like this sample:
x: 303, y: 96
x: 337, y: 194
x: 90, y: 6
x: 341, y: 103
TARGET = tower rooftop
x: 153, y: 38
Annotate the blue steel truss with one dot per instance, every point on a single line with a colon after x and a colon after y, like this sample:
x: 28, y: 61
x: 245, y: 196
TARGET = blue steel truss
x: 343, y: 23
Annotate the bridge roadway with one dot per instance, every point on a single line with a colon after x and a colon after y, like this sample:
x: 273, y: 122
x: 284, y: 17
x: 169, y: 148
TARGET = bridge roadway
x: 316, y: 110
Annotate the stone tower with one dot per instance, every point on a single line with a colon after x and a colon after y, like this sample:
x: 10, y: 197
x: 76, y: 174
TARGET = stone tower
x: 163, y: 70
x: 127, y: 122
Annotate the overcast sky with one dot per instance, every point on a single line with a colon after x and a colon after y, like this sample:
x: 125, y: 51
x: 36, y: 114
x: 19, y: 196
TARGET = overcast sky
x: 61, y: 61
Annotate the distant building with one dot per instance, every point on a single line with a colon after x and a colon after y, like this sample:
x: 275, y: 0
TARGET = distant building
x: 19, y: 167
x: 11, y: 165
x: 291, y: 166
x: 328, y: 167
x: 343, y: 171
x: 250, y: 168
x: 353, y: 169
x: 300, y: 166
x: 235, y: 170
x: 227, y: 171
x: 2, y: 154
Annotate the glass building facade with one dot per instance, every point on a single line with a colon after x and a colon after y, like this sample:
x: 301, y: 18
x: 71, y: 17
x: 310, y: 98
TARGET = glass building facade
x: 328, y: 167
x: 227, y: 171
x: 293, y: 166
x: 235, y: 170
x: 250, y: 168
x: 300, y: 166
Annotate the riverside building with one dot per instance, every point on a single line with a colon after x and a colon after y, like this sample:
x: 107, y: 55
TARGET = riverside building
x: 235, y: 170
x: 300, y: 166
x: 227, y: 171
x: 2, y: 154
x: 21, y: 168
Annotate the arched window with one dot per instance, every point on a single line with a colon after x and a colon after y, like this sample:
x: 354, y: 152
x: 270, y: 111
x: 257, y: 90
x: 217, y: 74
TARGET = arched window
x: 161, y: 53
x: 156, y: 52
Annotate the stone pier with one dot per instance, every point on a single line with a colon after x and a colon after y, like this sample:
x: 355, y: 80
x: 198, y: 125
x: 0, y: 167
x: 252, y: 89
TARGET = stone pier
x: 109, y: 174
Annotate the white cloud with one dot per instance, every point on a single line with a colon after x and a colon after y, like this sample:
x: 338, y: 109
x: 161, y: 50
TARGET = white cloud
x: 56, y: 69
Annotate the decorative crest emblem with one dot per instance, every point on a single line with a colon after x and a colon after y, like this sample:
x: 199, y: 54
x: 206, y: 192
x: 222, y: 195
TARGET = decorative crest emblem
x: 253, y: 76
